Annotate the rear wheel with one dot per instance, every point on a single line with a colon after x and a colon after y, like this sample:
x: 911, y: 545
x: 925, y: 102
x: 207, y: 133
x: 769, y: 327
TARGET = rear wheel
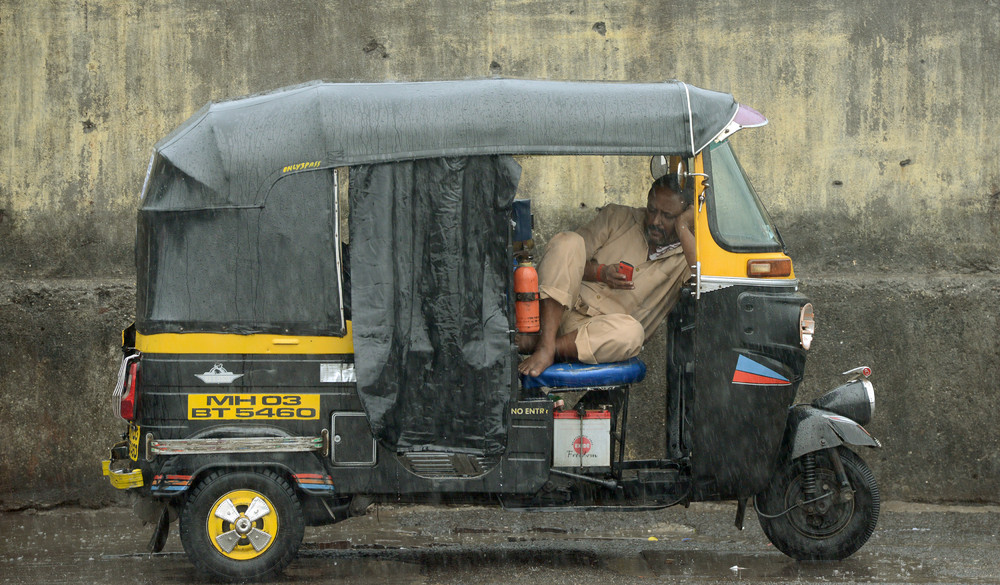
x: 243, y: 525
x: 808, y: 516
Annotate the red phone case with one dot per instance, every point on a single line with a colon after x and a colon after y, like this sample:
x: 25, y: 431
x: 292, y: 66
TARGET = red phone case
x: 626, y: 269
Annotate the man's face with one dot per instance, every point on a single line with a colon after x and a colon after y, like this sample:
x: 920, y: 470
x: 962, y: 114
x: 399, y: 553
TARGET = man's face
x: 662, y: 208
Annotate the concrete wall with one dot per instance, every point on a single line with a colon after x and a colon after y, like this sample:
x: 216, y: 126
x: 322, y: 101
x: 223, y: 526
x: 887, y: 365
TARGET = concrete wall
x: 879, y: 166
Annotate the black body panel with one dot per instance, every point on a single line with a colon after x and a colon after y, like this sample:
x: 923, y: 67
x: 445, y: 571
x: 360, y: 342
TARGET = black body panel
x: 733, y: 430
x: 169, y: 382
x: 357, y: 464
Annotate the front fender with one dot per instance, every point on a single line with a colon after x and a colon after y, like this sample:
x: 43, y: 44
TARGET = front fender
x: 812, y: 429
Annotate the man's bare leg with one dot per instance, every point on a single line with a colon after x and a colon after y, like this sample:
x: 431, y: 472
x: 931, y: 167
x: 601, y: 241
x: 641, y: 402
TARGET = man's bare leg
x: 548, y: 345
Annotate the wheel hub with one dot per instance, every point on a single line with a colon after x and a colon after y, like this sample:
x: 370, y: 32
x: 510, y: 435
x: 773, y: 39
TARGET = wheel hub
x: 826, y: 513
x: 242, y: 524
x: 823, y: 505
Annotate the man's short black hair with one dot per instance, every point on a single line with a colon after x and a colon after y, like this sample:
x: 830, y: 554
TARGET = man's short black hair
x: 672, y: 181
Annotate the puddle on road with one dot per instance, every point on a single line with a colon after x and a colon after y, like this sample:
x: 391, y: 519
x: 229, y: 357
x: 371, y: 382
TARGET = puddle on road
x: 357, y: 570
x: 626, y: 550
x: 769, y: 567
x: 416, y: 565
x: 403, y: 528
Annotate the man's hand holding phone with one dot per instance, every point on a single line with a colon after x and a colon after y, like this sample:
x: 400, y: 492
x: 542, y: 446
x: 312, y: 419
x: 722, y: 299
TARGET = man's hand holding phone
x: 616, y: 275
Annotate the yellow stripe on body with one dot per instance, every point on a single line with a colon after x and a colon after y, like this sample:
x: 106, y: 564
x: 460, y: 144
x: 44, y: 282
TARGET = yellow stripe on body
x: 233, y: 343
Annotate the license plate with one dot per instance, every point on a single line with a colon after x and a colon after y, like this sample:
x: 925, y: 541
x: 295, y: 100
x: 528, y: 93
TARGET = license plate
x: 253, y: 406
x: 133, y: 442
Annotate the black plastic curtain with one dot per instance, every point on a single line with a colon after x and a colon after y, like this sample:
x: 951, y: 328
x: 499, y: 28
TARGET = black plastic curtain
x: 431, y: 278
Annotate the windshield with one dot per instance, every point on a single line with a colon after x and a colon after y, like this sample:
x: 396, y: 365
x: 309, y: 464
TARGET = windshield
x: 738, y: 220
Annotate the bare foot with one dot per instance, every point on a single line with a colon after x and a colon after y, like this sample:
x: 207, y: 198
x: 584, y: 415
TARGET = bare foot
x: 537, y: 362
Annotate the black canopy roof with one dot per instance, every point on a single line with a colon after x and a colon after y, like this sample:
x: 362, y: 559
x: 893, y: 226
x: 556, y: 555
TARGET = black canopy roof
x: 234, y: 150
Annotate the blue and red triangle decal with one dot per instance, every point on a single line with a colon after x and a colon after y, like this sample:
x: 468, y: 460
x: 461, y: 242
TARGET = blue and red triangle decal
x: 751, y: 373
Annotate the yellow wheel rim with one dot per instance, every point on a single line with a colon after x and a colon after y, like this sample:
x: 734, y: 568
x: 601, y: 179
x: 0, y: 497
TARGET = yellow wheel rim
x: 242, y: 524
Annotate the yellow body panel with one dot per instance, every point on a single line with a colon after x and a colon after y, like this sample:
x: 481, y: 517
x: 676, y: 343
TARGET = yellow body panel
x: 231, y: 343
x: 714, y: 260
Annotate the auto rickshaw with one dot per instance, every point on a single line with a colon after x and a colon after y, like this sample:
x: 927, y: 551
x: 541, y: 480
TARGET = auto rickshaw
x: 276, y: 378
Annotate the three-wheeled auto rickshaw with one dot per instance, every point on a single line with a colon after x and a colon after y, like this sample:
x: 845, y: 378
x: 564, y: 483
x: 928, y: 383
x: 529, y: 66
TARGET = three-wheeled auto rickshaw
x: 276, y: 377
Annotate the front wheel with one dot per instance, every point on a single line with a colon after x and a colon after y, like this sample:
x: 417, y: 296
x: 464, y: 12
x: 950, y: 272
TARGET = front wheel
x: 242, y: 525
x: 808, y: 515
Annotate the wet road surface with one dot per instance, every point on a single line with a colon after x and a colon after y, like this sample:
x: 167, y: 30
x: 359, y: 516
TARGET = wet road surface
x: 423, y: 544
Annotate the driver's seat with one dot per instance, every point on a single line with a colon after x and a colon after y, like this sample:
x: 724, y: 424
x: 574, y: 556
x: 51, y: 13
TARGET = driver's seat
x: 569, y: 376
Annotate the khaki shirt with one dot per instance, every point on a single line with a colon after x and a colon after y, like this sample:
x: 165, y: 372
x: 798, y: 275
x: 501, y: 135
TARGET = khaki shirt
x: 617, y: 234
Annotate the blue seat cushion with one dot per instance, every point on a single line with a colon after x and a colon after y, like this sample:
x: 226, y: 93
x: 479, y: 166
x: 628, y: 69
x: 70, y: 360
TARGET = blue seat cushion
x: 587, y: 375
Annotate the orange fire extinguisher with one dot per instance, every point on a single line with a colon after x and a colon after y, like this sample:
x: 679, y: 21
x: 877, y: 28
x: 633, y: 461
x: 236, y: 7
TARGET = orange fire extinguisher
x: 526, y: 297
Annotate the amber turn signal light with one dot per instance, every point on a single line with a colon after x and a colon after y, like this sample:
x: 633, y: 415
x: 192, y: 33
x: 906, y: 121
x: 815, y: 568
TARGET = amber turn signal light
x: 769, y: 267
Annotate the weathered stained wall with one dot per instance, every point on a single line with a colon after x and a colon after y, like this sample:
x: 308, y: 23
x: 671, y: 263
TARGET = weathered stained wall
x: 879, y: 166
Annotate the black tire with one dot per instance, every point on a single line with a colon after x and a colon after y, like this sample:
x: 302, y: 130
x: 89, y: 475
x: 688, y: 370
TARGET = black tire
x: 242, y: 525
x: 829, y: 528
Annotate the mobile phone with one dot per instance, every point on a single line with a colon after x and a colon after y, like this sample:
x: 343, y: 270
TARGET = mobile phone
x: 626, y: 269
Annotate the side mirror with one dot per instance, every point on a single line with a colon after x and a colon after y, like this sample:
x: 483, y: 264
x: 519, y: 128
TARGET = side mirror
x: 662, y: 164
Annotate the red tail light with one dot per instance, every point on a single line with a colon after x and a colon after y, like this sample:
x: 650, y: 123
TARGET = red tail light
x: 130, y: 398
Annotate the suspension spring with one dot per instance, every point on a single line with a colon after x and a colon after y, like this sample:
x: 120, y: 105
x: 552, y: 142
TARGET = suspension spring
x: 809, y: 475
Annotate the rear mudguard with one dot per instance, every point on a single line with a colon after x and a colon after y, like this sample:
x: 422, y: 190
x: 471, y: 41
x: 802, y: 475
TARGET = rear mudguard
x: 321, y: 504
x: 180, y: 472
x: 812, y: 429
x: 304, y: 469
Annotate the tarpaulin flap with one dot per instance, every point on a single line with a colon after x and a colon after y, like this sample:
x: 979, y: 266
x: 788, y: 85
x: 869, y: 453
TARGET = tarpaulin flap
x: 430, y: 256
x: 270, y: 267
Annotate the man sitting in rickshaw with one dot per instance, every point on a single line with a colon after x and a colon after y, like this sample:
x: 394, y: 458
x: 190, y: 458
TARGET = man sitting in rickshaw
x: 590, y: 310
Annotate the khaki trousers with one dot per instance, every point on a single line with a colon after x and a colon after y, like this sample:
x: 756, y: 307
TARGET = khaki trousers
x: 600, y: 338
